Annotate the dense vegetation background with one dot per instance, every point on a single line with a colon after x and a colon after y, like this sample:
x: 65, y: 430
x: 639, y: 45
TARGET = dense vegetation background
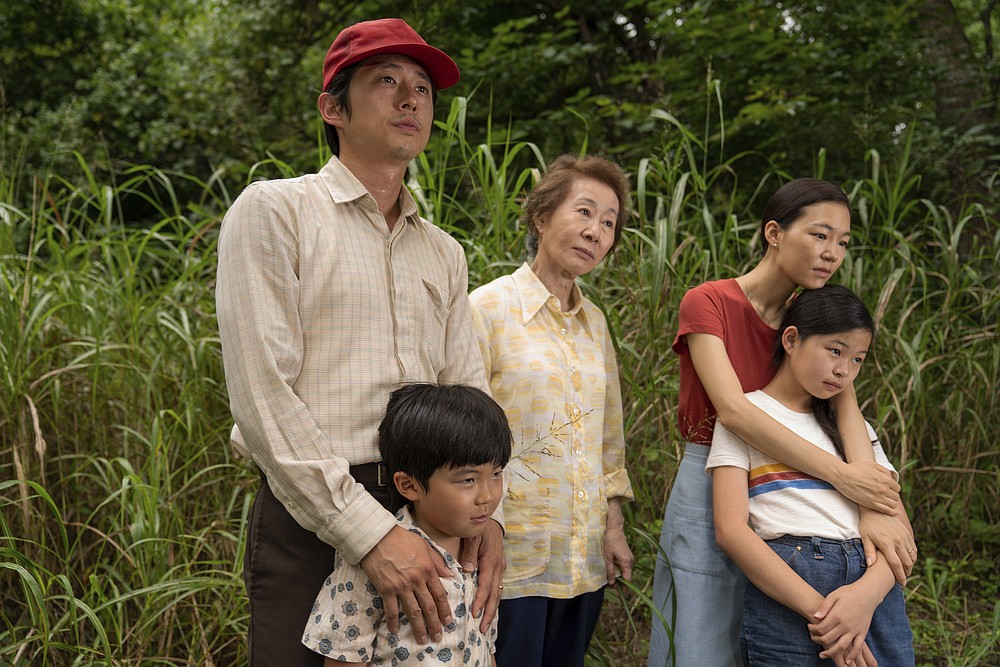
x: 127, y: 128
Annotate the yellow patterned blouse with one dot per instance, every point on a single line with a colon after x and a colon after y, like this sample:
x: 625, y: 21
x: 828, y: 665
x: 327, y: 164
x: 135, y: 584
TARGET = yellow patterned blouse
x: 556, y: 376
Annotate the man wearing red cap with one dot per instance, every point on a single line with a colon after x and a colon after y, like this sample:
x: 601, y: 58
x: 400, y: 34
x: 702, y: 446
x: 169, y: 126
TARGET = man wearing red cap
x: 332, y: 292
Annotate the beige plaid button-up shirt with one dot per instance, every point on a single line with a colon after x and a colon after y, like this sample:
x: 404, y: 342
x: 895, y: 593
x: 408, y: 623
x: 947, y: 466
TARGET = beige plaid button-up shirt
x: 322, y: 313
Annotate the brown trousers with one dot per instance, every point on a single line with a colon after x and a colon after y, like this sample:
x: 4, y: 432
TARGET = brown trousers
x: 284, y: 567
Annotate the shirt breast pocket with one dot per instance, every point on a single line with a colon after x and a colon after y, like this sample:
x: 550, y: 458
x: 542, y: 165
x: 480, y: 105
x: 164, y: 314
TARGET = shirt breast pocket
x: 528, y: 540
x: 436, y: 322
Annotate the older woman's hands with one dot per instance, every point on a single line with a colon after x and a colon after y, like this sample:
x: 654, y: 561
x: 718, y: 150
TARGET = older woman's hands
x: 617, y: 555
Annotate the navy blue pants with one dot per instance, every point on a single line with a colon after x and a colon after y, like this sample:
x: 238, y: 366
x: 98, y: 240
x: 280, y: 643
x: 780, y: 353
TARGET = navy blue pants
x: 546, y: 632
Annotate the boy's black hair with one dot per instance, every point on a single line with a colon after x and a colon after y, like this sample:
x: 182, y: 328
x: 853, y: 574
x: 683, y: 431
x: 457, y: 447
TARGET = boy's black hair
x: 431, y: 426
x: 817, y: 312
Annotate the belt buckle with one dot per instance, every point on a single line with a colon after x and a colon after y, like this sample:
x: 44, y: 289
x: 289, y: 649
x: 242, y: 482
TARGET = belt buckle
x: 382, y: 474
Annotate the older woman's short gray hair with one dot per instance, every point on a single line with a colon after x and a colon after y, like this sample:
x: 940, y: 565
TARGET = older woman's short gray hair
x: 554, y: 186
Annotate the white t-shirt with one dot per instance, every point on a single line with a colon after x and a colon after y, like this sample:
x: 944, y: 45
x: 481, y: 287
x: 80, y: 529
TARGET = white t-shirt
x: 784, y: 501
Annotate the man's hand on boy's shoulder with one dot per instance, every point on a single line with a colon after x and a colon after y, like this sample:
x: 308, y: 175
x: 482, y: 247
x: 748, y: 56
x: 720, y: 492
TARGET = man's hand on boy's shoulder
x: 485, y: 553
x: 407, y: 573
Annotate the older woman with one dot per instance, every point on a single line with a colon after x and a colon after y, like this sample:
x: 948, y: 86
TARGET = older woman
x: 551, y: 365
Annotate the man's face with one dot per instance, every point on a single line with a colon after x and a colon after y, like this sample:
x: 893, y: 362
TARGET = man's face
x: 392, y: 111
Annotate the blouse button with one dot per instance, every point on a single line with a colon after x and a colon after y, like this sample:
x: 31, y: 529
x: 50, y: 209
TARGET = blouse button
x: 579, y: 494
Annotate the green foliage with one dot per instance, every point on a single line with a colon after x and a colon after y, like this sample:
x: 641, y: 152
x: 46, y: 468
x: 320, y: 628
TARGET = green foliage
x: 121, y: 530
x: 194, y: 87
x: 964, y: 624
x: 42, y: 39
x: 111, y: 376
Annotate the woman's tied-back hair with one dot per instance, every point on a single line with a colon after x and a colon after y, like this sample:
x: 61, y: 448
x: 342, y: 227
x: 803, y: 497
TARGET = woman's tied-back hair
x: 790, y: 201
x: 817, y: 312
x: 431, y: 426
x: 554, y: 186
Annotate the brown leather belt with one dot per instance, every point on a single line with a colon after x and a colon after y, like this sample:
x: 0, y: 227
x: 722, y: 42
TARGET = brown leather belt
x: 366, y: 474
x: 376, y: 479
x: 371, y: 474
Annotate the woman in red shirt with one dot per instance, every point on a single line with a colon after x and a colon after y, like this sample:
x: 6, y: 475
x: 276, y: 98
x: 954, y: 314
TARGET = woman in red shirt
x: 727, y: 330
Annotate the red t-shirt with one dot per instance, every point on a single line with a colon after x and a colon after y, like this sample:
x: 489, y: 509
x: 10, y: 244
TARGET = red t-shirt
x: 720, y: 308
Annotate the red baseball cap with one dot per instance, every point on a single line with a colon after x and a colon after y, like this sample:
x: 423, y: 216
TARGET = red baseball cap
x: 371, y: 38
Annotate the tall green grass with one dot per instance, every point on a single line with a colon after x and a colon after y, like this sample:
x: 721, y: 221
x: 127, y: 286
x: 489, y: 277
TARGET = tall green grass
x: 121, y: 528
x: 121, y: 522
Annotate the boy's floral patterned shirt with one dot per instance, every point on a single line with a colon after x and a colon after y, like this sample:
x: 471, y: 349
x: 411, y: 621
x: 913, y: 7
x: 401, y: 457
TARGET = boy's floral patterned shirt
x: 348, y: 620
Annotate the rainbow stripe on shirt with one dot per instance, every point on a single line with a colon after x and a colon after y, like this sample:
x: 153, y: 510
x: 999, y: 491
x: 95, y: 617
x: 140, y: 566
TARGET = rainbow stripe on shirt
x: 776, y: 476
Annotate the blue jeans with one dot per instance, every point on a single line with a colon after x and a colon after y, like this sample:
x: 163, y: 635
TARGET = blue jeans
x: 698, y: 589
x: 773, y: 634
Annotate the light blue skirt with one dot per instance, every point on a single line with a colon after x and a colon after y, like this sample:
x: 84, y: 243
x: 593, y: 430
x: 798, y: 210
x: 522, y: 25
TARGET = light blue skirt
x: 696, y: 586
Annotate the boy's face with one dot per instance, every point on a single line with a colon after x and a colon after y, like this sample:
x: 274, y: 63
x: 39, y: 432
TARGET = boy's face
x: 458, y: 501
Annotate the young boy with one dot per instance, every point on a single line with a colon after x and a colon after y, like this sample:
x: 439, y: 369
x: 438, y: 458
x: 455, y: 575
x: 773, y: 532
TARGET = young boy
x: 445, y: 448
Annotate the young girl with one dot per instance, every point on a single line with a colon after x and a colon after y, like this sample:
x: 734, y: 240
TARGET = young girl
x: 802, y: 547
x: 724, y: 340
